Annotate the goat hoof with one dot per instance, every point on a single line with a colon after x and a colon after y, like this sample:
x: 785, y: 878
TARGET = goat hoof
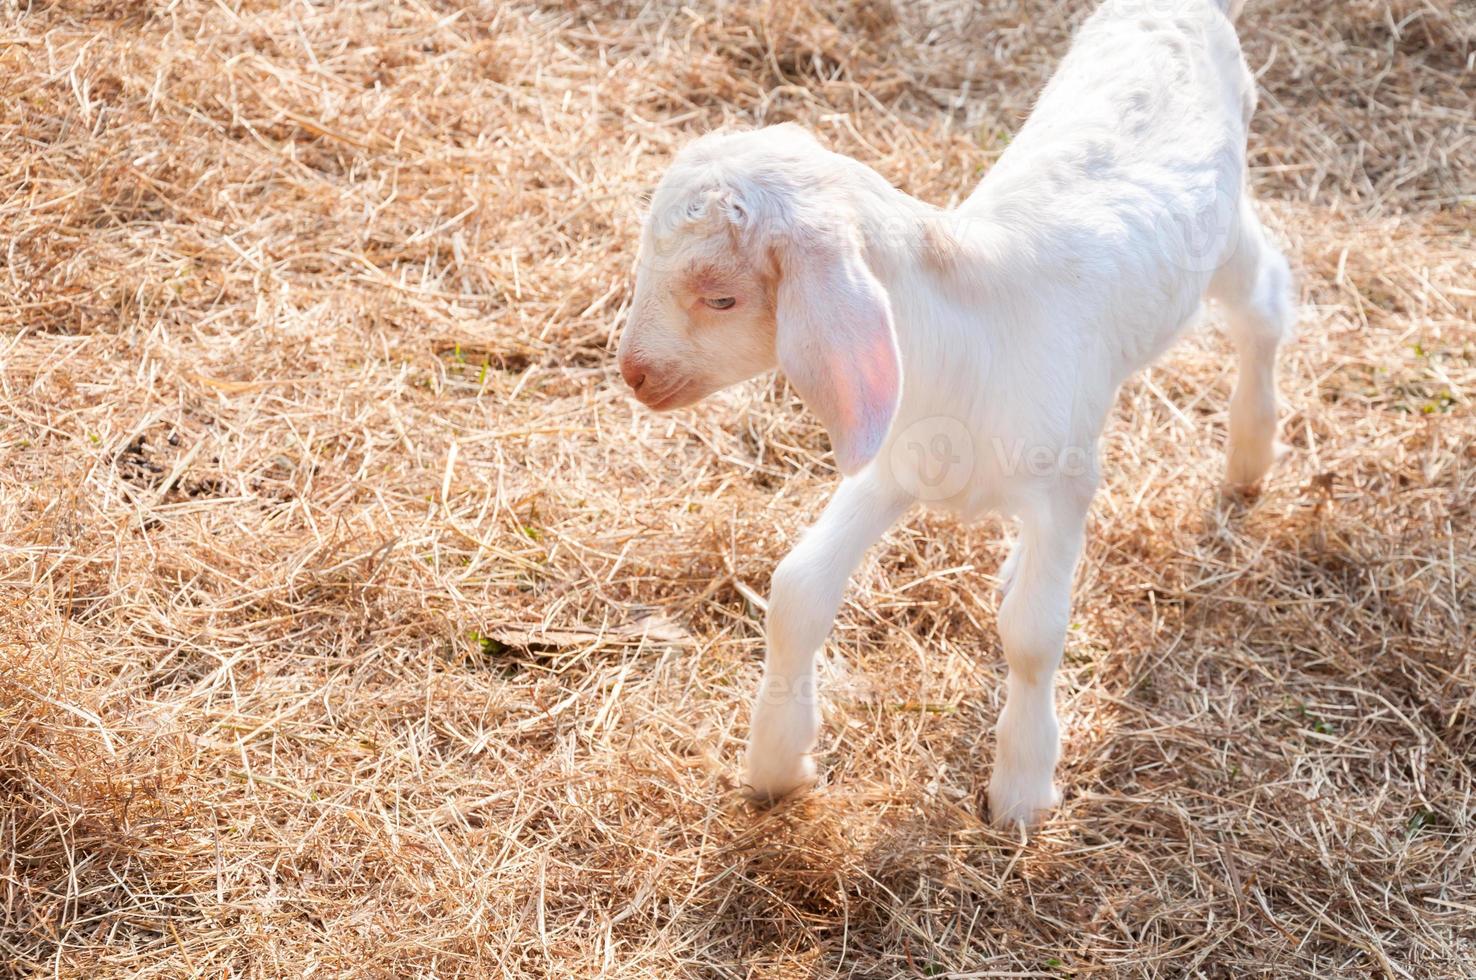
x: 768, y: 784
x: 1245, y: 469
x: 1240, y: 493
x: 1021, y: 801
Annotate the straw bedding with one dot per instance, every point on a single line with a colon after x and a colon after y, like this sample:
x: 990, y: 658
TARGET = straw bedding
x: 355, y: 623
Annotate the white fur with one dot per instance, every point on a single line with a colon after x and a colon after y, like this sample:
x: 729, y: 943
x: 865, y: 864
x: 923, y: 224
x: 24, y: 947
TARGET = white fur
x: 1014, y: 319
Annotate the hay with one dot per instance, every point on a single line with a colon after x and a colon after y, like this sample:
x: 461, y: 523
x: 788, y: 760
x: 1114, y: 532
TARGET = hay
x: 355, y: 622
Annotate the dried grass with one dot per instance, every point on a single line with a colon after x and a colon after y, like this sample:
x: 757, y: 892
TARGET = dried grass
x: 355, y: 623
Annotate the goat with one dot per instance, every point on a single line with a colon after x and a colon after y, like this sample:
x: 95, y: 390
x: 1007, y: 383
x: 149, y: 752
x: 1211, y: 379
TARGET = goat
x: 967, y: 358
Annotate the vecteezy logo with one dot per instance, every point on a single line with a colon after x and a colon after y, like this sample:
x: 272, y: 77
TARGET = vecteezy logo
x: 933, y: 458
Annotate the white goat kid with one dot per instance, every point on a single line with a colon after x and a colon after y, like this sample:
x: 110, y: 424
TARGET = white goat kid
x: 968, y: 358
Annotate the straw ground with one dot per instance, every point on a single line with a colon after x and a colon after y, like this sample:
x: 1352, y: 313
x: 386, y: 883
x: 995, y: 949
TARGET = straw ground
x: 355, y: 623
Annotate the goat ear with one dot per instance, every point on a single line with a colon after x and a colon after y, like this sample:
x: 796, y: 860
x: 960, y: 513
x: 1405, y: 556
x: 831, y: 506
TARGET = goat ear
x: 837, y: 347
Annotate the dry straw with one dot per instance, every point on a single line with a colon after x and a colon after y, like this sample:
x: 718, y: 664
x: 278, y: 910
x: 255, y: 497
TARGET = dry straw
x: 354, y: 622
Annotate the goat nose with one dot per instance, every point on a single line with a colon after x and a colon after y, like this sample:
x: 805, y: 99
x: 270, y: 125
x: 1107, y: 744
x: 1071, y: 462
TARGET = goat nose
x: 634, y: 373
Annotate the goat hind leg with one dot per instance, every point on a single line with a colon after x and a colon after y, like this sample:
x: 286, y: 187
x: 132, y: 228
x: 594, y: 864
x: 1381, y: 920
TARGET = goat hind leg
x: 1254, y: 287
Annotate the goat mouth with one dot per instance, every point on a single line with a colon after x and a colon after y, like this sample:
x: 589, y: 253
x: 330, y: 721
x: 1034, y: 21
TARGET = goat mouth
x: 673, y: 396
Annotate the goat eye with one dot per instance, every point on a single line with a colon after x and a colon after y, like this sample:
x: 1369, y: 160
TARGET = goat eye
x: 722, y: 303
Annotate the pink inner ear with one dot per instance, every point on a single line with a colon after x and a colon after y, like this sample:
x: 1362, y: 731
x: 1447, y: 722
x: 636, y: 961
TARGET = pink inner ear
x: 855, y: 390
x: 879, y: 367
x: 837, y: 348
x: 846, y: 403
x: 874, y: 367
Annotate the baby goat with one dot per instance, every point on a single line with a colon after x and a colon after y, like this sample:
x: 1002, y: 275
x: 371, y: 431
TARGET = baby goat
x: 968, y: 358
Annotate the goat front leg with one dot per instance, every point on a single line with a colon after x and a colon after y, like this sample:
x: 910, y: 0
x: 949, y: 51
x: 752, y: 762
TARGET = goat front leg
x: 1033, y: 618
x: 803, y: 599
